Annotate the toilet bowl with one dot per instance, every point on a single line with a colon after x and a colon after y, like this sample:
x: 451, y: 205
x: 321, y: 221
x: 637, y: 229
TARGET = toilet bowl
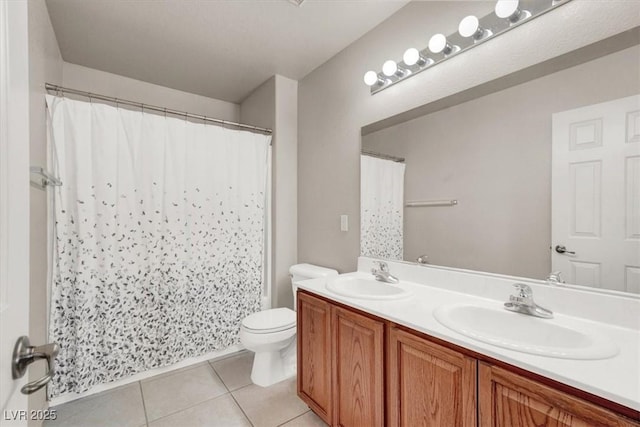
x: 271, y: 334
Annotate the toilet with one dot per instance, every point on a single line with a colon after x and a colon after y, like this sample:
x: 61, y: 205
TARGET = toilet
x: 271, y: 334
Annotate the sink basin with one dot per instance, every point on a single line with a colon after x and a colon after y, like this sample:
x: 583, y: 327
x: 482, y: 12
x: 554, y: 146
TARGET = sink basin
x: 526, y: 334
x: 356, y: 287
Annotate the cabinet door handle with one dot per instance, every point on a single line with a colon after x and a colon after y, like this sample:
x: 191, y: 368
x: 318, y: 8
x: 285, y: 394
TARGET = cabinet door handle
x: 25, y: 354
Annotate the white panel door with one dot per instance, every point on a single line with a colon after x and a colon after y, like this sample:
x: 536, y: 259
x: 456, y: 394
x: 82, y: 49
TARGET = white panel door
x: 14, y: 202
x: 596, y: 195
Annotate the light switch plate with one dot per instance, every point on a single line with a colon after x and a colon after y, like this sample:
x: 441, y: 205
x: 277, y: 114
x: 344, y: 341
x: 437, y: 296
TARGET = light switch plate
x: 344, y: 222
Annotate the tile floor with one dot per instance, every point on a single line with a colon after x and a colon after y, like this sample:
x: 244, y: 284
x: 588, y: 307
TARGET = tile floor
x: 214, y: 393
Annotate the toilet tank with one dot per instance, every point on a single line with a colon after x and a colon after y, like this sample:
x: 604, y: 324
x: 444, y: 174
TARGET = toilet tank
x: 301, y: 272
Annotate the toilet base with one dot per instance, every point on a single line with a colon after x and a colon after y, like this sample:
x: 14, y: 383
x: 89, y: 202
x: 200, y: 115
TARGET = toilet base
x: 271, y: 367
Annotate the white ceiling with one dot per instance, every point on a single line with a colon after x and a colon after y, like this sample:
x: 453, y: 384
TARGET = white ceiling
x: 217, y: 48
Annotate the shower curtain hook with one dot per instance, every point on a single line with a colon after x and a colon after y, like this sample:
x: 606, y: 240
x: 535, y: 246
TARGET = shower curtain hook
x: 165, y: 113
x: 117, y: 105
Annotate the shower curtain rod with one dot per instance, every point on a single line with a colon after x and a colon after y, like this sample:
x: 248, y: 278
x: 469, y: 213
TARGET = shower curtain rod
x: 383, y: 156
x: 60, y: 89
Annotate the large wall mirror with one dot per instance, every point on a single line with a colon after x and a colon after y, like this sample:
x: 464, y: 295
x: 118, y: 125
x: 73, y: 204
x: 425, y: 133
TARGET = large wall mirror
x: 536, y: 177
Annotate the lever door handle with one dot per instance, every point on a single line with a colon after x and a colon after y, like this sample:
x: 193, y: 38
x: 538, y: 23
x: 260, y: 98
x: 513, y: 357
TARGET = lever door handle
x: 562, y: 250
x: 25, y: 354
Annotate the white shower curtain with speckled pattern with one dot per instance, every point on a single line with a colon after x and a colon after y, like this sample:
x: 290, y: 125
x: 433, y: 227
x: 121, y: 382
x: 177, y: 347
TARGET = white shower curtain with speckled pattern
x: 158, y: 239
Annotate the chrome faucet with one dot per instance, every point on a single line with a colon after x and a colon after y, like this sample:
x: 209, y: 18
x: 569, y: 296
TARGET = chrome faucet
x: 555, y: 278
x: 382, y: 273
x: 523, y: 303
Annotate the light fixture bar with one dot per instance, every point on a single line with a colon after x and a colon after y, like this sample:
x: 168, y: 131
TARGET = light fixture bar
x: 489, y: 27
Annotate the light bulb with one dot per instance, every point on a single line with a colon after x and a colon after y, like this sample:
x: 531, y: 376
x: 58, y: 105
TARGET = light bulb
x: 438, y: 43
x: 411, y: 56
x: 468, y: 26
x: 370, y: 78
x: 506, y: 8
x: 389, y: 68
x: 510, y: 9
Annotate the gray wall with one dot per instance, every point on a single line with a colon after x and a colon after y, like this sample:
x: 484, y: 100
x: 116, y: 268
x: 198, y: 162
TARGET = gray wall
x: 103, y: 83
x: 493, y: 154
x: 334, y: 103
x: 285, y: 188
x: 45, y: 65
x: 274, y: 105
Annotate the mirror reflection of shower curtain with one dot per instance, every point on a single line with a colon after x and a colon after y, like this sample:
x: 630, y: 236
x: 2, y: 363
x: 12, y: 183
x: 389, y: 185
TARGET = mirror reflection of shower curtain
x: 159, y: 239
x: 381, y: 212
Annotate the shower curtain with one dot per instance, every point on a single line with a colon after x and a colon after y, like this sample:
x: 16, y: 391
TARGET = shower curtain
x: 158, y: 239
x: 381, y: 207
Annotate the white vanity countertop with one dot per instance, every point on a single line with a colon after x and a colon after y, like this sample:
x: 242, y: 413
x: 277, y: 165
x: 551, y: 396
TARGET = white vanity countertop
x: 616, y: 379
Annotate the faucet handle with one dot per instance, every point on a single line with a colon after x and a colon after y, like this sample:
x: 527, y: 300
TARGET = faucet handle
x: 555, y: 277
x: 523, y: 290
x: 383, y: 266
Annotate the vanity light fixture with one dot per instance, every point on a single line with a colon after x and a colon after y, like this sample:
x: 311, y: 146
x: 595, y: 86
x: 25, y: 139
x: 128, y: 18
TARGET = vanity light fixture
x: 472, y: 31
x: 438, y: 44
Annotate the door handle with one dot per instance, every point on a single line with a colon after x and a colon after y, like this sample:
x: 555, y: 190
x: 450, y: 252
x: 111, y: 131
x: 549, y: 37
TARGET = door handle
x: 25, y: 354
x: 562, y: 250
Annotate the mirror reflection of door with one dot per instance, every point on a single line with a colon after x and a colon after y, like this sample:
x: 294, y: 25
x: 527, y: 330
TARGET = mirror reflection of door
x: 596, y: 195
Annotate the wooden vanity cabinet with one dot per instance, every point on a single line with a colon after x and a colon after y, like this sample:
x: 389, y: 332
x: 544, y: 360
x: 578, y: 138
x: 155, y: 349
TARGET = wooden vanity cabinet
x: 429, y: 385
x: 314, y: 354
x: 358, y: 369
x: 340, y: 363
x: 508, y: 399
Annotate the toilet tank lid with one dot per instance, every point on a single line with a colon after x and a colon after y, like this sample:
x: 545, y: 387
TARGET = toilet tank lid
x: 311, y: 271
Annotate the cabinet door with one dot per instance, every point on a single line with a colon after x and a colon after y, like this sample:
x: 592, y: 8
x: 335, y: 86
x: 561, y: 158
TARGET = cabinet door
x: 358, y: 371
x: 429, y: 385
x: 508, y: 399
x: 314, y: 354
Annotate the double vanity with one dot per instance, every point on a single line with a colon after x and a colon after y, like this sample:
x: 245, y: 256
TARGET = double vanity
x: 440, y: 347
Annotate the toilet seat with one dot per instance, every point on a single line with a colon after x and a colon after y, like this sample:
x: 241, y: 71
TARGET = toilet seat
x: 270, y: 321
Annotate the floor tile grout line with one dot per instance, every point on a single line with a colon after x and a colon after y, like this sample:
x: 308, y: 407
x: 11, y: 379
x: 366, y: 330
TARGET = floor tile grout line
x: 190, y: 406
x: 144, y: 405
x: 173, y: 372
x: 219, y: 378
x: 202, y: 401
x: 291, y: 419
x: 242, y: 410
